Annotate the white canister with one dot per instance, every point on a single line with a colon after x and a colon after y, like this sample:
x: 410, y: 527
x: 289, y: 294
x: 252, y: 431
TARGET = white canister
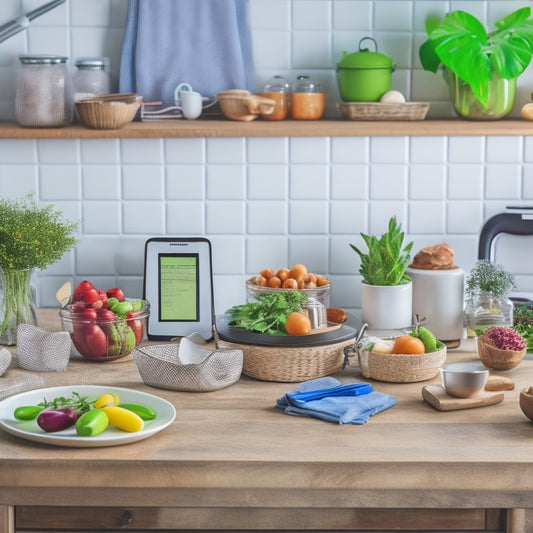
x: 387, y: 307
x: 438, y: 295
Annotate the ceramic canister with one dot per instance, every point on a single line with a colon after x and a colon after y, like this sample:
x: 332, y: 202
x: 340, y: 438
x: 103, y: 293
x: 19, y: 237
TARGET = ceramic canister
x: 438, y: 295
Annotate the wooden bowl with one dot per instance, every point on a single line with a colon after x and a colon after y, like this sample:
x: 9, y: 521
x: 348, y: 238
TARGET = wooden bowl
x: 496, y: 359
x: 237, y: 104
x: 108, y: 112
x: 526, y: 403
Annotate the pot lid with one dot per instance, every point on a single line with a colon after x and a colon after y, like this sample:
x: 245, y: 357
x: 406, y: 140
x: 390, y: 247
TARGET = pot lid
x: 365, y: 58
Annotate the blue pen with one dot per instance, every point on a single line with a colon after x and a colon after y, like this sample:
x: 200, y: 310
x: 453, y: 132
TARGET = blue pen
x: 355, y: 389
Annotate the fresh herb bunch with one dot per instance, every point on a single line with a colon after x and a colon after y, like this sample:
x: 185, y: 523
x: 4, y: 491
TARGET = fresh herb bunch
x: 461, y: 43
x: 80, y: 403
x: 523, y: 323
x: 269, y: 314
x: 32, y: 236
x: 490, y: 277
x: 387, y: 257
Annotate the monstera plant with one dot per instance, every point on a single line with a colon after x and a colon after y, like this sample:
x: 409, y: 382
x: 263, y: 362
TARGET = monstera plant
x: 481, y: 67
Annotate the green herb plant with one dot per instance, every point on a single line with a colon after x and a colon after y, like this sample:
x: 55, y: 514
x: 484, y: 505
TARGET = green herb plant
x: 489, y: 277
x: 523, y: 323
x: 461, y: 43
x: 31, y: 237
x: 387, y: 257
x: 269, y: 314
x: 80, y: 403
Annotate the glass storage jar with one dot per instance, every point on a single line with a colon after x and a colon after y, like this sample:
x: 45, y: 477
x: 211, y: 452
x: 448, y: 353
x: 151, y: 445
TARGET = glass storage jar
x: 45, y: 92
x: 91, y: 77
x: 307, y: 101
x: 278, y: 90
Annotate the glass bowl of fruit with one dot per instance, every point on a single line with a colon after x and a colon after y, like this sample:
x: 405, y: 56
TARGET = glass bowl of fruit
x: 104, y: 325
x: 297, y: 278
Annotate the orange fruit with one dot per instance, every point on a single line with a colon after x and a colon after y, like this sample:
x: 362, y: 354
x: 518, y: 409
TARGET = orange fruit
x: 274, y: 282
x: 298, y: 272
x: 406, y: 344
x: 266, y: 273
x: 298, y: 323
x: 282, y: 274
x: 290, y: 283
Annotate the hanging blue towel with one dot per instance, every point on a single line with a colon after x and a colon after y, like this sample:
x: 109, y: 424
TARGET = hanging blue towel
x: 341, y: 409
x: 205, y: 43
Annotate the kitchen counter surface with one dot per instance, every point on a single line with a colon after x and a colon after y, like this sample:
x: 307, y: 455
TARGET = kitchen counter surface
x: 231, y: 451
x: 284, y: 128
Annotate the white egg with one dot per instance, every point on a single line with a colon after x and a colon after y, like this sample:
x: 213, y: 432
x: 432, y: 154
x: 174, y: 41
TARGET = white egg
x: 393, y: 97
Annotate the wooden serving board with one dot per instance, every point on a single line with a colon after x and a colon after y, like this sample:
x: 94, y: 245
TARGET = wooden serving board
x: 332, y: 326
x: 437, y: 397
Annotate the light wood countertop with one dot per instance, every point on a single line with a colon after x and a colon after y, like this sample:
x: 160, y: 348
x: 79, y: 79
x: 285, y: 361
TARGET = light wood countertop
x: 284, y: 128
x: 233, y: 448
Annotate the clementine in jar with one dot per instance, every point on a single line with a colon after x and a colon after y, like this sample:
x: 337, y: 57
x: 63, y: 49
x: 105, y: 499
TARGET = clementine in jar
x: 407, y: 344
x: 298, y: 323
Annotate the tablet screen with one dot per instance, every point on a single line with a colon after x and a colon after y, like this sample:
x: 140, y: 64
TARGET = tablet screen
x: 178, y: 283
x: 178, y: 287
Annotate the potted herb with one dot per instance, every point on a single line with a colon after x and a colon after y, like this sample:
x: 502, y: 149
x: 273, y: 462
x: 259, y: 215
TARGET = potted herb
x: 31, y: 237
x: 481, y: 68
x: 487, y: 290
x: 386, y: 290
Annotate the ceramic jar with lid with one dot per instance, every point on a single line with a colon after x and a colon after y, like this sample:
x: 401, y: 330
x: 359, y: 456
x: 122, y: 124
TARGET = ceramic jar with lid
x: 278, y: 90
x: 92, y: 77
x: 45, y: 92
x: 364, y: 76
x: 307, y: 101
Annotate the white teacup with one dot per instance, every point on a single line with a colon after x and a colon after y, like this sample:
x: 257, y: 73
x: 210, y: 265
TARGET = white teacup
x: 189, y: 101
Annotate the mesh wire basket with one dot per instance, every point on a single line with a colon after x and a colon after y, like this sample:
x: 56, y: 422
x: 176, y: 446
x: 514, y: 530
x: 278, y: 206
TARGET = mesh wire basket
x: 42, y: 351
x: 159, y: 366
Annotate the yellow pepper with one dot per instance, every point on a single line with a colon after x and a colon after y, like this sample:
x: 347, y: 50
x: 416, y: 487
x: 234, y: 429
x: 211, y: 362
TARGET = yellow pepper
x: 123, y: 419
x: 109, y: 398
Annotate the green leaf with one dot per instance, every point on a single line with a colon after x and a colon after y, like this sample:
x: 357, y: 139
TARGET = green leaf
x: 387, y: 259
x: 461, y: 43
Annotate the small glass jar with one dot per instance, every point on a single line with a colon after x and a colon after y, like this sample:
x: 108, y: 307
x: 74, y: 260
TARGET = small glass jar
x: 484, y: 311
x: 308, y: 101
x: 45, y: 92
x: 92, y: 77
x: 279, y: 90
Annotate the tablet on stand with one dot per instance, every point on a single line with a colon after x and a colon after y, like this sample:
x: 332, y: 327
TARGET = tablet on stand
x: 178, y: 283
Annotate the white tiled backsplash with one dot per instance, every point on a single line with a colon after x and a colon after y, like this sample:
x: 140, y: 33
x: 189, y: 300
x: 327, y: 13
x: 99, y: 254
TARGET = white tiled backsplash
x: 267, y: 202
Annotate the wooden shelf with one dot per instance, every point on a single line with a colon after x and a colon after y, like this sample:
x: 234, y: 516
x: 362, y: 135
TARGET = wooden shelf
x: 285, y: 128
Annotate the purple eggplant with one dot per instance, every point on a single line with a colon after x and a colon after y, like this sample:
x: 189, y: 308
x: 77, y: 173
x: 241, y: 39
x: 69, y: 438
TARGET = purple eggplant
x: 51, y: 420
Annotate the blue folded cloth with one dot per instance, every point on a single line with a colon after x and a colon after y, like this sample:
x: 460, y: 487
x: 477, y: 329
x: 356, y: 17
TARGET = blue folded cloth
x: 205, y: 43
x: 354, y: 409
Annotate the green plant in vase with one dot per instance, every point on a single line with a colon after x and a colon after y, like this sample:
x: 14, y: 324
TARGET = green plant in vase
x: 487, y: 290
x: 31, y: 237
x: 480, y: 67
x: 386, y: 289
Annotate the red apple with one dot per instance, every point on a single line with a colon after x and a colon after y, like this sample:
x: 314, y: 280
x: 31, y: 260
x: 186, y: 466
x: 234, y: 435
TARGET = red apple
x: 81, y: 289
x: 117, y: 293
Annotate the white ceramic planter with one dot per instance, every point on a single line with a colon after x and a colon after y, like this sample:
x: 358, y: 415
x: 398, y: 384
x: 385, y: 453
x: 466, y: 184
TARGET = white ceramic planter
x: 387, y: 307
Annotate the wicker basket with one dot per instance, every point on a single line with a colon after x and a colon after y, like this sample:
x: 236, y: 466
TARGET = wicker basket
x: 289, y: 364
x: 401, y: 368
x: 383, y: 111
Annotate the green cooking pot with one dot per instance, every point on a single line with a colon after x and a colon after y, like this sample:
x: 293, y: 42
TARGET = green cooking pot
x: 364, y: 76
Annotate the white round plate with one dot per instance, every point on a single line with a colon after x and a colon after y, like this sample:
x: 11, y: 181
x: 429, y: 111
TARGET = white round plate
x: 112, y: 436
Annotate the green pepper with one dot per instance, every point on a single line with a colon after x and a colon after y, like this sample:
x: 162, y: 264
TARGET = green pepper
x: 27, y: 412
x: 92, y: 423
x: 145, y: 412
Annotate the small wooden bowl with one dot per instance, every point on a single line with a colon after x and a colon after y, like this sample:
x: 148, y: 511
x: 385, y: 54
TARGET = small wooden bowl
x: 526, y: 403
x: 497, y: 359
x: 237, y: 104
